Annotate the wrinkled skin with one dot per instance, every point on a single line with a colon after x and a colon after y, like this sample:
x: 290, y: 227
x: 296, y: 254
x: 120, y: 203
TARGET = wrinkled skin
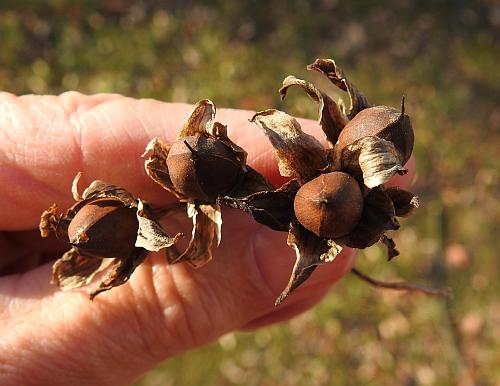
x: 49, y: 336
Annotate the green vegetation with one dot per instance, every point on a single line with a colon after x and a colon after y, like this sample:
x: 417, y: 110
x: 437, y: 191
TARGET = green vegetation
x: 442, y: 55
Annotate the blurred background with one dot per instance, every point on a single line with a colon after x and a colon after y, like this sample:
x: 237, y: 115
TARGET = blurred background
x: 443, y: 55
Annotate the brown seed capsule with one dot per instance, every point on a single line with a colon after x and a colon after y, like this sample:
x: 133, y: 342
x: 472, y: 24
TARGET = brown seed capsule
x: 202, y: 168
x: 329, y: 205
x: 384, y: 122
x: 104, y: 227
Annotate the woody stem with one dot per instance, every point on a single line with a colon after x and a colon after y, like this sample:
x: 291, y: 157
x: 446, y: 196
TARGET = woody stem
x: 402, y: 286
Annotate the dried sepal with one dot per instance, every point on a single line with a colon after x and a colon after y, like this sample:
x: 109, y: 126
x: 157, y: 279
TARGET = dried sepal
x: 74, y: 187
x: 377, y: 159
x: 248, y: 183
x: 120, y: 272
x: 207, y: 223
x: 404, y: 202
x: 101, y: 189
x: 219, y: 131
x: 200, y: 121
x: 310, y: 251
x: 331, y: 118
x: 390, y: 245
x: 272, y: 208
x: 156, y: 165
x: 150, y: 234
x: 300, y: 155
x: 377, y: 218
x: 50, y: 221
x: 74, y: 269
x: 328, y: 68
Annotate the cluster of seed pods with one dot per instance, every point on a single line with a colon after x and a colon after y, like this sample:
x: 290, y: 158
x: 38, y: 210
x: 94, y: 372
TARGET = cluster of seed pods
x: 335, y: 196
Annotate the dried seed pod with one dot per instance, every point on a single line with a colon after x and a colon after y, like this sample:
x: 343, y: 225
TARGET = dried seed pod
x: 107, y: 227
x: 202, y: 168
x: 342, y: 200
x: 104, y: 227
x: 384, y: 122
x: 330, y: 205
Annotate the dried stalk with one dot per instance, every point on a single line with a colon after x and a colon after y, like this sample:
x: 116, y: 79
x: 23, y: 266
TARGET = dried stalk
x: 402, y: 286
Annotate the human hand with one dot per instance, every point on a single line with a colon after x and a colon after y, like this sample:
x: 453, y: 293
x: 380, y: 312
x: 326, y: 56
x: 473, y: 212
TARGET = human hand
x: 54, y: 337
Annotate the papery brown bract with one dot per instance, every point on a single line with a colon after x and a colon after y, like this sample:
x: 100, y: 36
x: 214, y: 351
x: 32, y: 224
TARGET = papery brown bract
x: 372, y: 160
x: 207, y: 223
x: 377, y: 218
x: 268, y: 206
x: 332, y: 118
x: 404, y: 202
x: 310, y: 251
x: 300, y: 155
x: 335, y: 75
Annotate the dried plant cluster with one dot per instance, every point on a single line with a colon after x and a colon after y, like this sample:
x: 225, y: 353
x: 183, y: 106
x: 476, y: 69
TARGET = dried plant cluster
x: 335, y: 197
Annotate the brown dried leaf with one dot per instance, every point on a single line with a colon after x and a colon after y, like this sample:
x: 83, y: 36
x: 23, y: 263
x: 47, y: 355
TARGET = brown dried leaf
x: 101, y: 189
x: 220, y: 132
x: 377, y: 159
x: 310, y: 251
x: 73, y: 269
x: 248, y: 183
x: 391, y: 247
x: 272, y: 208
x: 328, y: 68
x: 331, y: 118
x: 404, y: 202
x: 156, y: 165
x: 377, y: 218
x: 74, y: 187
x: 207, y: 223
x: 121, y: 272
x: 200, y: 121
x: 150, y: 234
x: 300, y: 155
x: 50, y: 221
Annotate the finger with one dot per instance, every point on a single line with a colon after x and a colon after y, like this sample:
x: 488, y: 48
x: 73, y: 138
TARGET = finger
x: 309, y: 294
x: 46, y: 140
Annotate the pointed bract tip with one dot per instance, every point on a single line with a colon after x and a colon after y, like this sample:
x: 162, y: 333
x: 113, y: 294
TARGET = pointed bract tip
x: 280, y: 299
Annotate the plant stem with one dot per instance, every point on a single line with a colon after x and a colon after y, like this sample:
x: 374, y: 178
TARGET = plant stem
x: 402, y: 286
